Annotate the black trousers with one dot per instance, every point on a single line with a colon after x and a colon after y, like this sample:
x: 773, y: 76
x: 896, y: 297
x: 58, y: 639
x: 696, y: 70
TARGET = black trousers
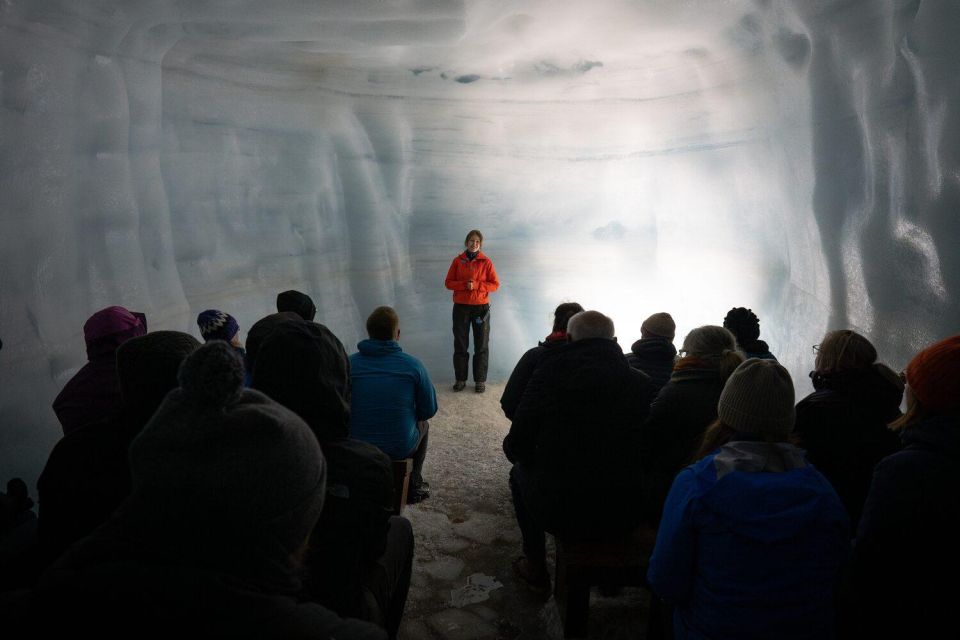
x: 464, y: 317
x: 388, y: 581
x: 419, y: 454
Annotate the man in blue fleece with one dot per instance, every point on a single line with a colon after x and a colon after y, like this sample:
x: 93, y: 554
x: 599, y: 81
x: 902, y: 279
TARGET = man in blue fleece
x: 393, y: 397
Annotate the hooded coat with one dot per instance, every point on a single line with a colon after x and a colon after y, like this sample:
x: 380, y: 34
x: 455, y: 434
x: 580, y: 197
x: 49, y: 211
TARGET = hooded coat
x: 93, y: 393
x: 654, y: 356
x: 577, y: 435
x: 842, y: 426
x: 391, y: 393
x: 906, y: 555
x: 750, y: 546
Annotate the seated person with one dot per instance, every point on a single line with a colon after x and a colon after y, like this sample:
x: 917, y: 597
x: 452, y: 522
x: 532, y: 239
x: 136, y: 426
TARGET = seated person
x: 654, y: 353
x: 360, y: 558
x: 87, y: 475
x: 227, y: 487
x: 393, y: 397
x: 296, y: 302
x: 528, y: 361
x: 93, y: 393
x: 745, y: 325
x: 575, y: 444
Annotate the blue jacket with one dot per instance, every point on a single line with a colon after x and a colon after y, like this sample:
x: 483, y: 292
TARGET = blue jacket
x: 392, y: 391
x: 750, y: 546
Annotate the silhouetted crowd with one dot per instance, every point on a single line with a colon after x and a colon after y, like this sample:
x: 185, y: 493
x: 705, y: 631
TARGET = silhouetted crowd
x: 231, y: 490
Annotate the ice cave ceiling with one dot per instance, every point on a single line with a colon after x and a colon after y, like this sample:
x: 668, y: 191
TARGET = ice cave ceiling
x: 799, y: 157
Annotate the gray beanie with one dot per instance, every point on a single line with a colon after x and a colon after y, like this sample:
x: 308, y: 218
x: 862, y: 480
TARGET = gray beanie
x: 228, y: 459
x: 659, y: 324
x: 758, y: 399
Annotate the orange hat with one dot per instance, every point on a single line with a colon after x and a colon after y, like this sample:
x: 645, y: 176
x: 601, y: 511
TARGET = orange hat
x: 934, y: 376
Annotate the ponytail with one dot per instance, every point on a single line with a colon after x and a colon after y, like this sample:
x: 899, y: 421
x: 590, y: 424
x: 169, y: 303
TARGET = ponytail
x: 728, y: 361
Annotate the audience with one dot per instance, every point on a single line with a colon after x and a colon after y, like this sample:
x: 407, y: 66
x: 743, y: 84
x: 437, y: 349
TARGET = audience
x: 842, y: 425
x: 906, y: 555
x: 393, y: 397
x: 178, y: 502
x: 752, y: 537
x: 87, y: 475
x: 575, y: 444
x: 360, y: 558
x: 654, y: 353
x: 227, y: 486
x: 528, y: 362
x: 685, y: 407
x: 745, y: 325
x: 94, y: 393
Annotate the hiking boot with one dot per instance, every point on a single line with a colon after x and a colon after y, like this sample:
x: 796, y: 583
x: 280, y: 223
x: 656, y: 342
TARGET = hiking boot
x: 459, y: 385
x: 418, y: 494
x: 481, y: 387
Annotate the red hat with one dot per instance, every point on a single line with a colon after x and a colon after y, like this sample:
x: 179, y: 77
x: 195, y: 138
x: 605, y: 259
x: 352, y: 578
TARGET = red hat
x: 934, y: 375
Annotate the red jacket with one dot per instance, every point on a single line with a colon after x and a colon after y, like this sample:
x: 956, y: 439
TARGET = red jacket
x: 480, y: 270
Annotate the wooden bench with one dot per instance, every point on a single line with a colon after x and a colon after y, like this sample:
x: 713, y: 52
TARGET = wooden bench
x: 401, y: 483
x: 615, y: 562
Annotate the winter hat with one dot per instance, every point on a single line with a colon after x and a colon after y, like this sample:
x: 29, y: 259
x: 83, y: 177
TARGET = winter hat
x: 263, y: 328
x: 108, y: 328
x: 758, y: 399
x: 934, y: 376
x: 217, y: 325
x: 304, y: 367
x: 659, y: 324
x: 299, y: 303
x: 224, y: 464
x: 744, y: 324
x: 147, y: 369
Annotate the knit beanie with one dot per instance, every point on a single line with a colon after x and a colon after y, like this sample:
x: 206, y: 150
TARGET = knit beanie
x: 934, y: 376
x: 220, y: 463
x: 297, y: 302
x: 744, y: 324
x: 758, y: 399
x: 659, y: 324
x: 217, y: 325
x: 108, y: 328
x: 303, y: 366
x: 147, y: 369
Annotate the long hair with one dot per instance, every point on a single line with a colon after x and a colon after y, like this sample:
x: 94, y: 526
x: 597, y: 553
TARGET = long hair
x: 715, y: 345
x: 915, y: 414
x: 720, y: 433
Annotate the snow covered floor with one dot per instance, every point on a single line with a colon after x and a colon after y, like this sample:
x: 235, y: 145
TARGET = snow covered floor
x: 466, y: 536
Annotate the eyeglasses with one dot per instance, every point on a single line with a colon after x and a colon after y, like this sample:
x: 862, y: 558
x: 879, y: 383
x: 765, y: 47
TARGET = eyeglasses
x: 816, y: 348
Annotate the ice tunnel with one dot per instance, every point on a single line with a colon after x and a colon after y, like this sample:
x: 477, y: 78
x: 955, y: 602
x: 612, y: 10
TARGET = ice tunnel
x: 799, y: 157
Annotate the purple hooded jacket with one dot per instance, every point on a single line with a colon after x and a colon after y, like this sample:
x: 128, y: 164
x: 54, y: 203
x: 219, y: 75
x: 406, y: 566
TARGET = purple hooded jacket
x: 94, y: 392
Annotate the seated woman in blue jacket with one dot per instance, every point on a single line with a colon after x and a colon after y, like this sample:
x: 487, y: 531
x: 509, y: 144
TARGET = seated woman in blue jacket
x: 752, y: 537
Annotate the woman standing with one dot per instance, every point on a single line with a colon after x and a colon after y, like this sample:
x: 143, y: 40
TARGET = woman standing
x: 471, y: 277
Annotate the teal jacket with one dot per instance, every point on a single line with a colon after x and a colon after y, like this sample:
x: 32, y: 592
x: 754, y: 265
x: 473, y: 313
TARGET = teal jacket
x: 392, y: 391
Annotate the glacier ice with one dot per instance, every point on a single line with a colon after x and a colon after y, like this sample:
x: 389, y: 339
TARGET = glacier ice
x: 799, y: 157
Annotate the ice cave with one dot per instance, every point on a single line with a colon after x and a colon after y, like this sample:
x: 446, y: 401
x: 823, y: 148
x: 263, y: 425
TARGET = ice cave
x: 798, y: 157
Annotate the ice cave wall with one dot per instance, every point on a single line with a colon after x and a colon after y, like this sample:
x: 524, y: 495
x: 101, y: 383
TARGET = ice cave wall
x: 798, y: 157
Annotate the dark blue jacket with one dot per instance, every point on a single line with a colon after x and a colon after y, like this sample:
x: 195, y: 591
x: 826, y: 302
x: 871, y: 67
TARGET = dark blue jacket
x: 750, y: 546
x: 392, y: 391
x: 906, y: 549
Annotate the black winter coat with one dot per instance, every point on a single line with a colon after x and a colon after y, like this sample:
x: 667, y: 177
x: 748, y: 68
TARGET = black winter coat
x: 906, y: 556
x: 577, y: 435
x: 678, y: 418
x: 843, y: 427
x: 655, y: 357
x: 521, y: 375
